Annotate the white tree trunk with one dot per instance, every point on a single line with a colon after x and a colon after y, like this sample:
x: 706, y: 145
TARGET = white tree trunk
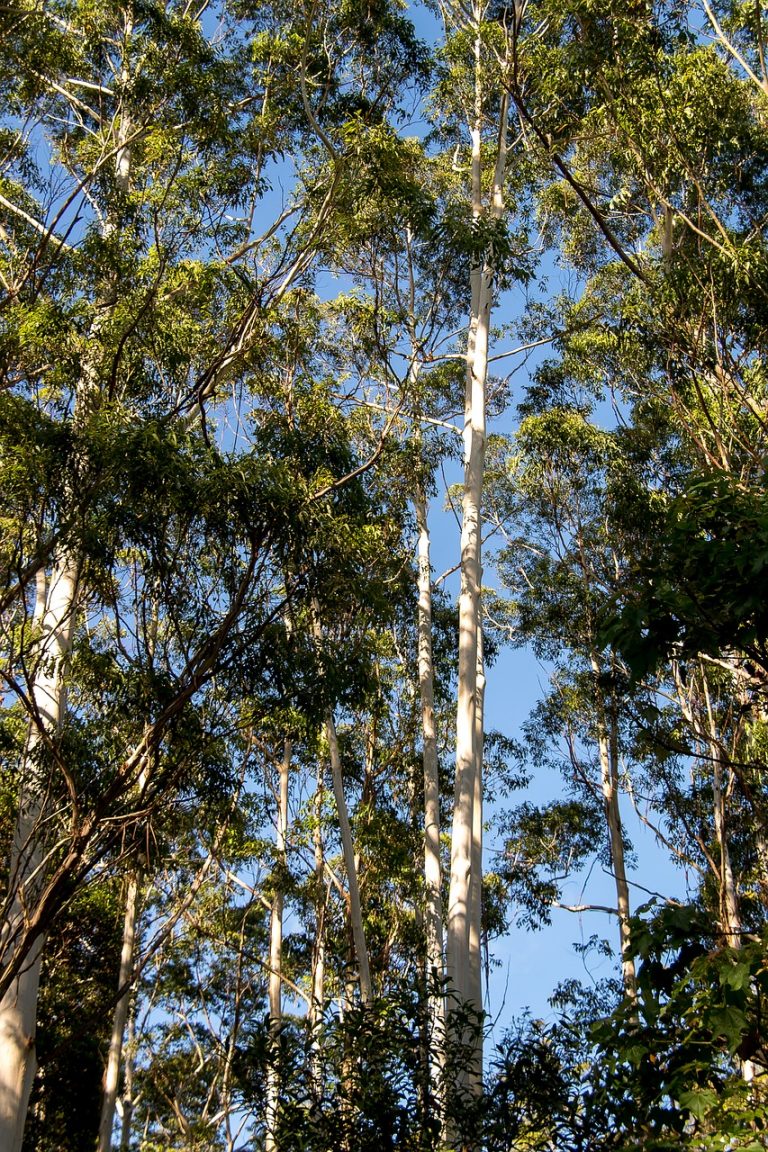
x: 475, y: 962
x: 317, y: 996
x: 476, y: 885
x: 127, y: 1099
x: 761, y: 850
x: 18, y: 1008
x: 467, y: 809
x: 433, y: 911
x: 112, y: 1072
x: 729, y: 901
x: 276, y: 954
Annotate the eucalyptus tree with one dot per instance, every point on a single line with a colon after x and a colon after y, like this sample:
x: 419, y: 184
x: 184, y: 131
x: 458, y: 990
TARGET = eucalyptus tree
x: 656, y: 108
x: 145, y: 269
x: 473, y: 119
x: 199, y: 1018
x: 643, y: 115
x: 677, y: 739
x: 562, y: 562
x: 651, y: 120
x: 407, y: 307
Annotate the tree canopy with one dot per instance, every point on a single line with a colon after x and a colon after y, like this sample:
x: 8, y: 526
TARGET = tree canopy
x: 345, y: 347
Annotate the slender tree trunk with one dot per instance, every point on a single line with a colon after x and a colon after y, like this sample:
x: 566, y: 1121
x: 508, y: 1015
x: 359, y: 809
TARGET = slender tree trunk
x: 276, y: 955
x: 730, y: 905
x: 607, y: 739
x: 18, y: 1008
x: 467, y: 816
x: 112, y: 1072
x: 761, y: 850
x: 127, y: 1099
x: 475, y: 967
x: 348, y: 852
x: 433, y: 910
x: 317, y: 998
x: 730, y: 911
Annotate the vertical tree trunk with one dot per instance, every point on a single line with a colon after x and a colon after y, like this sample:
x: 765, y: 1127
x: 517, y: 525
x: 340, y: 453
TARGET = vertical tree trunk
x: 348, y: 852
x: 761, y: 850
x: 730, y: 905
x: 433, y: 911
x: 467, y: 815
x: 18, y: 1008
x: 112, y: 1071
x: 317, y: 997
x: 276, y: 954
x: 710, y: 744
x: 475, y: 965
x: 607, y: 740
x: 730, y: 911
x: 127, y: 1099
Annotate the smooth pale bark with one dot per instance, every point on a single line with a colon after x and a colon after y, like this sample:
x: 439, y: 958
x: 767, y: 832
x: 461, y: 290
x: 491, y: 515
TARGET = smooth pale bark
x: 18, y: 1008
x: 469, y: 626
x: 607, y: 739
x: 114, y: 1058
x: 761, y: 849
x: 350, y: 866
x: 463, y: 971
x: 317, y: 995
x: 729, y: 901
x: 433, y: 910
x: 276, y: 953
x: 475, y: 967
x: 476, y: 877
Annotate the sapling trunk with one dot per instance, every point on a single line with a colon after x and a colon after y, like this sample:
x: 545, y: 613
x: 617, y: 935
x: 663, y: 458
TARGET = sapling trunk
x: 125, y: 990
x: 276, y: 953
x: 608, y: 748
x: 350, y: 866
x: 433, y: 909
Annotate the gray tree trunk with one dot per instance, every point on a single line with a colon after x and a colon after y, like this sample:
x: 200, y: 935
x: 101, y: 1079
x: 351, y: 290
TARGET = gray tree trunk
x: 114, y: 1059
x: 607, y: 739
x: 350, y: 866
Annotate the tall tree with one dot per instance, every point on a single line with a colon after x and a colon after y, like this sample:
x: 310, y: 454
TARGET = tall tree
x: 156, y: 137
